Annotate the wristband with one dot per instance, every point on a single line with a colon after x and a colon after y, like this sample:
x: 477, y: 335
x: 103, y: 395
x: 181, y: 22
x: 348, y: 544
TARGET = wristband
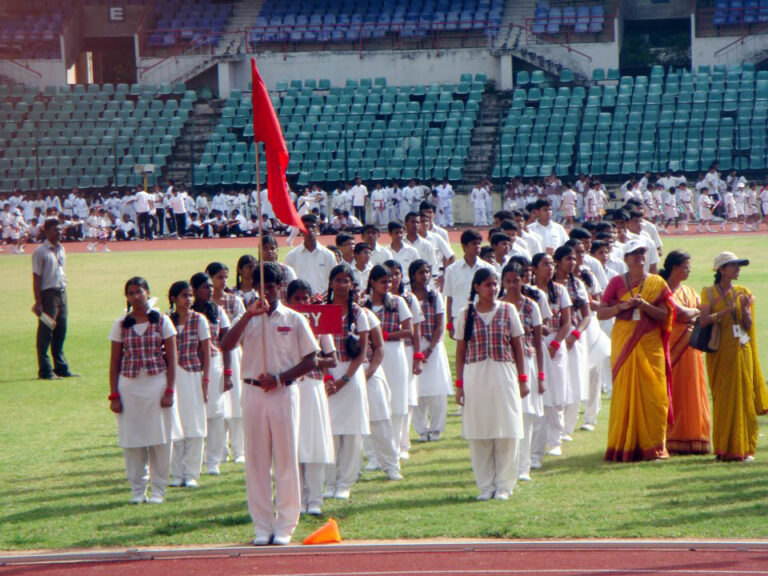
x: 418, y: 356
x: 385, y: 335
x: 206, y: 380
x: 168, y: 392
x: 449, y: 325
x: 459, y: 384
x: 228, y: 372
x: 542, y: 376
x: 555, y: 344
x: 576, y: 334
x: 345, y: 378
x: 327, y: 378
x: 522, y: 378
x: 114, y: 396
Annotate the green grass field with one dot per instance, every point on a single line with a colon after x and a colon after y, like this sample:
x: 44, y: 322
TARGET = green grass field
x: 62, y: 480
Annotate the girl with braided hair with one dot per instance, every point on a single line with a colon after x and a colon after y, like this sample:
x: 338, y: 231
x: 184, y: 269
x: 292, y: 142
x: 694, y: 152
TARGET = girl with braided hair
x: 491, y: 380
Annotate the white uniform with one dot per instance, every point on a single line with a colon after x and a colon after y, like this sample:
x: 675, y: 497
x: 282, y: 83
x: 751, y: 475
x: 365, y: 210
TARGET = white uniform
x: 314, y: 266
x: 479, y: 198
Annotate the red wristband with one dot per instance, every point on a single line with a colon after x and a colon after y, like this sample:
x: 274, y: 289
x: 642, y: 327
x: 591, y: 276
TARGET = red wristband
x: 327, y: 378
x: 385, y: 335
x: 555, y: 344
x: 576, y: 334
x: 228, y: 372
x: 522, y: 377
x: 169, y: 391
x: 206, y: 380
x: 114, y: 396
x: 418, y: 356
x: 459, y: 384
x: 449, y: 326
x: 542, y: 376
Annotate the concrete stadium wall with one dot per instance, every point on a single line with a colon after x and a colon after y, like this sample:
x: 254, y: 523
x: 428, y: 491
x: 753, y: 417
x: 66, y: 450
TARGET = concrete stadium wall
x: 603, y: 54
x: 398, y: 67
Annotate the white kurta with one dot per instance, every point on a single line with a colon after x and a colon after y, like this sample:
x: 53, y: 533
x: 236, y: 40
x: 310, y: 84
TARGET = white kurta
x: 315, y: 436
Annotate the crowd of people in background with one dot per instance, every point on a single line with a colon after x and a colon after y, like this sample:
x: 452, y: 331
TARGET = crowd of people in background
x: 715, y: 202
x: 546, y: 318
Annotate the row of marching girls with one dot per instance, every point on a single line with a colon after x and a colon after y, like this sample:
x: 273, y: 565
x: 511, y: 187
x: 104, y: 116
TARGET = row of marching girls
x: 176, y: 358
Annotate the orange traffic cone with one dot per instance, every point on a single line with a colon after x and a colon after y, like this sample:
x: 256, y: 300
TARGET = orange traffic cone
x: 326, y: 534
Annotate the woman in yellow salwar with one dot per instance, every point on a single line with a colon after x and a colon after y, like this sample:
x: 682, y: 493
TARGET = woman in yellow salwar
x: 739, y: 393
x: 640, y: 303
x: 689, y: 433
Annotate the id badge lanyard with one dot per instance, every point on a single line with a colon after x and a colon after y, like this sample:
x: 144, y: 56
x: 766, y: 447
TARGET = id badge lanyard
x: 636, y: 311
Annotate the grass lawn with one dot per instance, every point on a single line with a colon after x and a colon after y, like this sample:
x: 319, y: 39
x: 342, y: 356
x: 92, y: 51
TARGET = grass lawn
x: 62, y: 479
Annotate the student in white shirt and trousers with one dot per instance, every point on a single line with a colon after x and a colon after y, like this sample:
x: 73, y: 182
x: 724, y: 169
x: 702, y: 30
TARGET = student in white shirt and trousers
x: 271, y: 366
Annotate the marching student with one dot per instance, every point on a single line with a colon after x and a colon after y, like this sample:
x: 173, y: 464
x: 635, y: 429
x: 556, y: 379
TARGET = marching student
x: 220, y: 371
x: 480, y: 198
x: 671, y: 213
x: 729, y: 203
x: 192, y: 378
x: 362, y: 264
x: 397, y: 325
x: 315, y: 438
x: 516, y: 292
x: 706, y: 205
x: 578, y: 355
x: 434, y: 386
x: 270, y: 253
x: 312, y: 259
x: 233, y: 414
x: 402, y: 253
x: 491, y: 381
x: 558, y: 326
x: 142, y: 378
x: 685, y: 198
x: 244, y: 279
x: 279, y: 348
x: 347, y: 398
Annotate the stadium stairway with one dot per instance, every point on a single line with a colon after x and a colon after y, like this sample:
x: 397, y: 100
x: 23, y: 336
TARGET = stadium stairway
x: 484, y: 146
x: 243, y: 16
x: 203, y: 119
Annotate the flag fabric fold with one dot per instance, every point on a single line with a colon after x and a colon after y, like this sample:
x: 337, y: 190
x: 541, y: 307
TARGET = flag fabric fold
x: 266, y: 128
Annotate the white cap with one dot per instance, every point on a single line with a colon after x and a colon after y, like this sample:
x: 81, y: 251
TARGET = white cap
x: 728, y: 258
x: 634, y: 245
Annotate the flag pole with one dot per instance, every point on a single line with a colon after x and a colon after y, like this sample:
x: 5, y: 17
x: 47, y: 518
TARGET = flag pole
x: 261, y: 252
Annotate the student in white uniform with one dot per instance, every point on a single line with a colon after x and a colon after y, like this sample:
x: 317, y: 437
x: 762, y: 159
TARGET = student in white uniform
x: 578, y: 355
x: 552, y: 234
x: 233, y: 305
x: 313, y: 260
x: 192, y: 378
x: 244, y: 278
x: 706, y: 204
x: 729, y: 203
x: 568, y: 206
x: 315, y: 437
x: 221, y: 372
x: 671, y: 213
x: 402, y: 253
x: 396, y: 324
x: 555, y: 350
x: 491, y: 381
x: 434, y: 387
x: 479, y: 198
x: 279, y: 348
x: 142, y: 381
x: 515, y: 292
x: 347, y: 397
x: 380, y: 205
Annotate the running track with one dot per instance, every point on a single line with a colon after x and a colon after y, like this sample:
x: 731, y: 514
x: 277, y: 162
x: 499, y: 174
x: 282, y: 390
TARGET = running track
x: 572, y: 558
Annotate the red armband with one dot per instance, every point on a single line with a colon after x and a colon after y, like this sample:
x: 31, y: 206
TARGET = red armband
x: 459, y: 384
x: 522, y: 378
x: 169, y: 391
x: 385, y: 335
x: 576, y: 334
x: 228, y: 372
x: 114, y: 396
x: 418, y: 356
x: 327, y: 378
x: 542, y: 376
x: 449, y: 326
x: 555, y: 344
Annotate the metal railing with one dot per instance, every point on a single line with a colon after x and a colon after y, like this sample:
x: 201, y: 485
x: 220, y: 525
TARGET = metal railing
x: 20, y: 73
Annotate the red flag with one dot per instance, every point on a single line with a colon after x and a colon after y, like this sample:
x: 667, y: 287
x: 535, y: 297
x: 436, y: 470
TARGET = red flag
x: 266, y: 128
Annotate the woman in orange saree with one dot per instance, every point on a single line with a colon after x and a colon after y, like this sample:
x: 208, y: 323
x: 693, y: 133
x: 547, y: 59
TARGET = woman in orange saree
x: 739, y: 392
x: 689, y: 433
x: 639, y: 358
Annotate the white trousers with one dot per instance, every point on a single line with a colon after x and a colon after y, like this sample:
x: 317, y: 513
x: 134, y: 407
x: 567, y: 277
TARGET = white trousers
x: 312, y: 476
x: 538, y: 439
x: 494, y: 463
x: 592, y: 406
x: 148, y: 463
x: 571, y: 417
x: 405, y: 434
x: 187, y: 459
x: 399, y: 422
x: 236, y: 443
x: 271, y: 427
x: 429, y: 415
x: 555, y: 425
x: 215, y: 442
x: 349, y: 459
x: 382, y: 444
x: 524, y: 463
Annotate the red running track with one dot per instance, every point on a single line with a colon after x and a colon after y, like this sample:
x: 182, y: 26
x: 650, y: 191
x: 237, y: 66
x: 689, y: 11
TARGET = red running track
x: 471, y: 559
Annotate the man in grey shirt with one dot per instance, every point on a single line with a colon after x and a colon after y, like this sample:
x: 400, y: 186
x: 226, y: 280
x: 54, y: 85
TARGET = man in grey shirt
x: 49, y: 284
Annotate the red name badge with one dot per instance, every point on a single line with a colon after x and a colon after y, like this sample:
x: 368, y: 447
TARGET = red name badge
x: 283, y: 328
x: 323, y: 318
